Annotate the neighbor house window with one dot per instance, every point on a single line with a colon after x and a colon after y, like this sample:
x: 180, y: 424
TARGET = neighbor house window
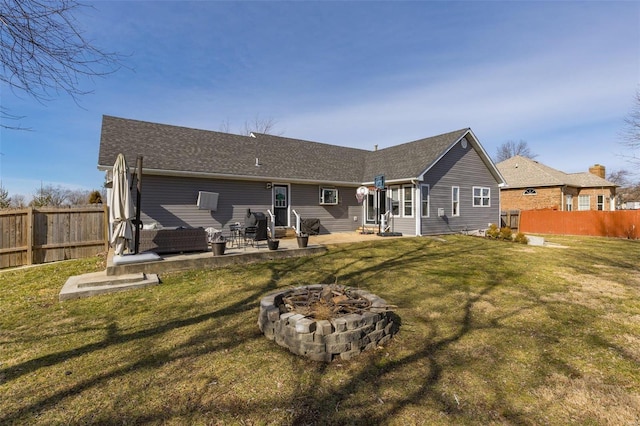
x: 600, y: 202
x: 481, y: 196
x: 407, y: 201
x: 328, y: 196
x: 455, y: 201
x: 530, y: 191
x: 569, y: 203
x: 584, y: 202
x: 394, y: 200
x: 424, y: 199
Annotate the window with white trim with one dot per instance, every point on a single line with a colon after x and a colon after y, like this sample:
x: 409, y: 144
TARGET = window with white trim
x: 530, y: 191
x: 600, y: 202
x: 407, y: 201
x: 424, y: 199
x: 329, y: 196
x: 455, y: 201
x: 584, y: 202
x: 481, y: 196
x: 394, y: 200
x: 569, y: 203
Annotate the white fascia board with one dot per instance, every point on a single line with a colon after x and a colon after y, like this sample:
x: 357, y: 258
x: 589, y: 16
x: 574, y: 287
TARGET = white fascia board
x: 473, y: 140
x: 182, y: 173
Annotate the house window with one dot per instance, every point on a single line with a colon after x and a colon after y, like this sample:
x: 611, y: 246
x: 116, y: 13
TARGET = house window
x: 407, y: 201
x: 569, y: 203
x: 481, y: 196
x: 455, y: 201
x: 394, y: 200
x: 328, y: 196
x: 424, y: 199
x: 530, y: 191
x: 584, y: 202
x: 600, y: 202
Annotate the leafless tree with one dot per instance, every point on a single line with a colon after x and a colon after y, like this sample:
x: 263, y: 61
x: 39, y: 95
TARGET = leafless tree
x: 631, y: 133
x: 77, y: 197
x: 50, y: 196
x: 620, y: 177
x: 260, y: 125
x: 512, y: 148
x: 44, y: 52
x: 18, y: 201
x: 628, y: 189
x: 5, y: 200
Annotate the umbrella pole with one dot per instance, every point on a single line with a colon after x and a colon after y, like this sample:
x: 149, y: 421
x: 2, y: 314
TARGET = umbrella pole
x: 138, y: 194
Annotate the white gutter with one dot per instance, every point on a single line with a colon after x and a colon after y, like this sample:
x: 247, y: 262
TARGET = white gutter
x: 180, y: 173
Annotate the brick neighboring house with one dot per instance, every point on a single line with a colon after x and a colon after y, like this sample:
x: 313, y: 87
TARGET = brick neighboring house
x: 531, y: 185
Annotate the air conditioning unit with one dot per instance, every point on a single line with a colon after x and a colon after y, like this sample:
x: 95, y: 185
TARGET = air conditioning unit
x: 207, y: 200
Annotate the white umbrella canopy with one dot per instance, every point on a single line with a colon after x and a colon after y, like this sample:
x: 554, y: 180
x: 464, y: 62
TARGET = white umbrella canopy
x: 121, y: 208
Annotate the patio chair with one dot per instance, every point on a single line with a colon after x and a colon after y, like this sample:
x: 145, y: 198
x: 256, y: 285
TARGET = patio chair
x: 255, y: 234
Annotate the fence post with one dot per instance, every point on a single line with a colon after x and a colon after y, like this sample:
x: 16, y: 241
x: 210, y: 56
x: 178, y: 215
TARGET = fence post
x: 30, y: 236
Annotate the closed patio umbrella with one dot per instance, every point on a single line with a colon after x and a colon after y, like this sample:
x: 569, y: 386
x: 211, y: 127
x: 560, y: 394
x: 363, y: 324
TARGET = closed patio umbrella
x: 121, y: 208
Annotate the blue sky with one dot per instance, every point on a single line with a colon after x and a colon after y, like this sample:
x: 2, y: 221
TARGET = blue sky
x: 560, y: 75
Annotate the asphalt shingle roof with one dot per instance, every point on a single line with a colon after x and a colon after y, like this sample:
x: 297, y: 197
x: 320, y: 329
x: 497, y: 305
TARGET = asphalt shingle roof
x: 523, y: 172
x: 168, y: 149
x: 410, y: 159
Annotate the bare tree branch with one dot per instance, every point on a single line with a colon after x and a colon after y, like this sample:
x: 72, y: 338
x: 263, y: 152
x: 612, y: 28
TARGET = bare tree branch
x: 512, y: 148
x: 43, y: 51
x: 260, y: 125
x: 631, y: 133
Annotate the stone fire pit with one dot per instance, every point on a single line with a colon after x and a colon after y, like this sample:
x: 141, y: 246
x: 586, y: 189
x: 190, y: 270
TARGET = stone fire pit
x: 326, y: 321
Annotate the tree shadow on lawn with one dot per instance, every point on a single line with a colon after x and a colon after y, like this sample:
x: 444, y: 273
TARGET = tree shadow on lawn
x: 430, y: 359
x: 154, y: 360
x: 375, y: 372
x: 314, y: 407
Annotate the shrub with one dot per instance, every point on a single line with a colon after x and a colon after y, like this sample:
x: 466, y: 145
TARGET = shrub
x: 493, y: 231
x: 521, y: 238
x: 506, y: 234
x: 95, y: 197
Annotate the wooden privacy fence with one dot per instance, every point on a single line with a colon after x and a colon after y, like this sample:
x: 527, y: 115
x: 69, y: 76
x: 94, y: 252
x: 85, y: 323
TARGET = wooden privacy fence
x: 38, y: 235
x: 618, y: 223
x: 510, y: 218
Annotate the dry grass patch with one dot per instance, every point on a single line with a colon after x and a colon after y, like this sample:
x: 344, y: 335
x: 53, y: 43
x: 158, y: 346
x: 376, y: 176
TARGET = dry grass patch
x: 587, y: 400
x: 490, y: 334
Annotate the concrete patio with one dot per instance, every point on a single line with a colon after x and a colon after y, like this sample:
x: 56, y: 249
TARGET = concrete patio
x: 141, y: 274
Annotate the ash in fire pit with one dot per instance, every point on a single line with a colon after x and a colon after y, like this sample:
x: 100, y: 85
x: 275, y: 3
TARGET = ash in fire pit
x: 325, y: 321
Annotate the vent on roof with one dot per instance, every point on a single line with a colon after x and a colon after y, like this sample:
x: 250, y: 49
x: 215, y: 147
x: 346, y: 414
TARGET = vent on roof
x: 208, y: 200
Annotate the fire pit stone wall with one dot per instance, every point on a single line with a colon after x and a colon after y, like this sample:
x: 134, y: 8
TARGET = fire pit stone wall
x: 327, y: 339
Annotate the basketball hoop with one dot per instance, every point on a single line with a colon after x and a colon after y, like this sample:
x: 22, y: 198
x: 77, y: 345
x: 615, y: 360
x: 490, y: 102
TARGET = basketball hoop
x: 361, y: 192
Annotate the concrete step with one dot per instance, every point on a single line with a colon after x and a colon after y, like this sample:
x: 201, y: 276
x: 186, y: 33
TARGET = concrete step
x: 99, y: 283
x: 285, y: 232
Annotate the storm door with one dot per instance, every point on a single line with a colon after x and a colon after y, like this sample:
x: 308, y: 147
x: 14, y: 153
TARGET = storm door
x: 375, y: 204
x: 281, y: 204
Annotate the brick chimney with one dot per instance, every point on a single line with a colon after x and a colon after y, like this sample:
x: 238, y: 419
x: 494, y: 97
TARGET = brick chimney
x: 598, y: 170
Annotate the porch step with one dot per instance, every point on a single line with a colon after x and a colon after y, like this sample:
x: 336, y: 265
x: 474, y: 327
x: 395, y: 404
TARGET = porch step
x: 367, y: 229
x: 285, y: 232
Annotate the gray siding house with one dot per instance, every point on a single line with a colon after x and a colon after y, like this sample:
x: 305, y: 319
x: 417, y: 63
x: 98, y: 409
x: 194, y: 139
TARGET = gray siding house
x: 437, y: 185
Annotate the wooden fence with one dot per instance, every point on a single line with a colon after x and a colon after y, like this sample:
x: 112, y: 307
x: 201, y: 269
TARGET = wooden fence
x: 510, y: 219
x: 38, y: 235
x: 618, y: 223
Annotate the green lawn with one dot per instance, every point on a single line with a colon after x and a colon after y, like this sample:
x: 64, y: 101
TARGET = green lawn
x: 492, y: 333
